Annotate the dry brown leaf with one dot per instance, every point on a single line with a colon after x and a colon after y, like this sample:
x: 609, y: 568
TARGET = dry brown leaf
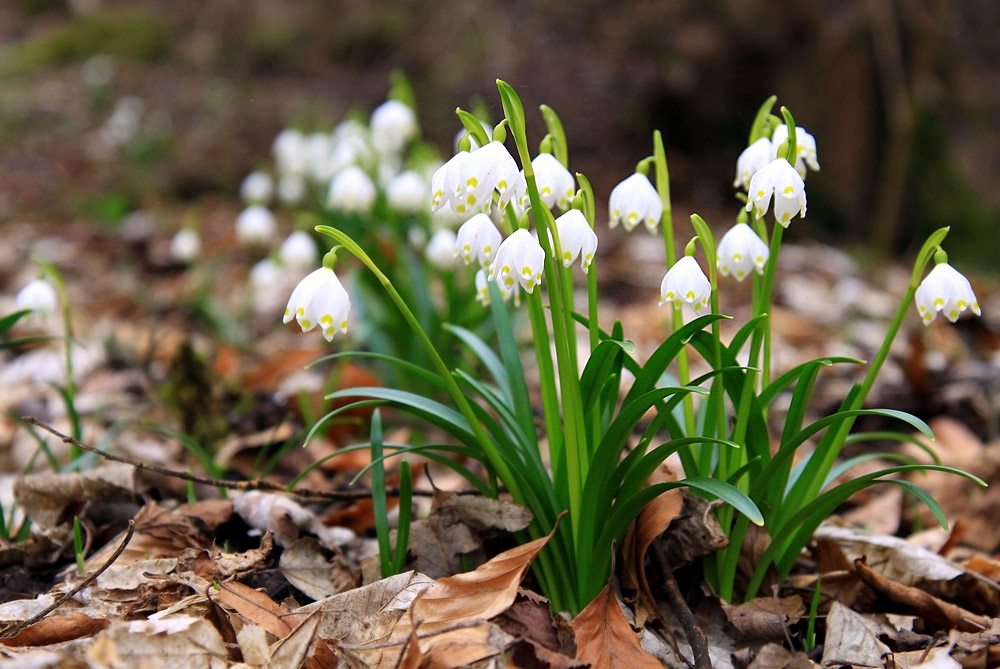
x: 774, y: 656
x: 44, y: 497
x: 606, y: 640
x: 694, y: 533
x: 984, y: 566
x: 532, y: 620
x: 178, y: 642
x: 766, y: 618
x: 257, y: 607
x: 484, y: 512
x: 463, y: 646
x: 56, y: 629
x: 852, y: 639
x: 306, y: 566
x: 291, y: 652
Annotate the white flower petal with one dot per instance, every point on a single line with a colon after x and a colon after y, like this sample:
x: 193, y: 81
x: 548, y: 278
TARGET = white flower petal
x: 635, y: 201
x: 945, y: 289
x: 319, y: 300
x: 741, y: 251
x: 685, y: 283
x: 577, y: 238
x: 477, y: 238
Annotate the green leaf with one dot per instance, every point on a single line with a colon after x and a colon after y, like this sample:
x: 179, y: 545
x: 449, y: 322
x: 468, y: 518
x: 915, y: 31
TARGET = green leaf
x: 418, y: 371
x: 474, y: 127
x: 555, y: 128
x: 779, y: 384
x: 8, y: 321
x: 405, y: 511
x: 485, y: 355
x: 760, y: 124
x: 434, y: 412
x: 379, y: 503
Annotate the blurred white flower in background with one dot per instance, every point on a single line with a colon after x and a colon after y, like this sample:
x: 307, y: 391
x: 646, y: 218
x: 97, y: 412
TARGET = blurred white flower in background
x: 298, y: 251
x: 255, y: 226
x: 38, y: 296
x: 441, y: 249
x: 407, y: 192
x: 185, y: 247
x: 257, y: 188
x: 352, y: 191
x: 393, y: 124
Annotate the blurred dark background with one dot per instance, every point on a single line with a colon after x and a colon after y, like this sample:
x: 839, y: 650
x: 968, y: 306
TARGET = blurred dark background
x: 902, y: 96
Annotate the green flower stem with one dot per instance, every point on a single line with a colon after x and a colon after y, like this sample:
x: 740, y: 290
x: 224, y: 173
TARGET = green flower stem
x: 772, y: 264
x: 546, y: 374
x: 489, y: 449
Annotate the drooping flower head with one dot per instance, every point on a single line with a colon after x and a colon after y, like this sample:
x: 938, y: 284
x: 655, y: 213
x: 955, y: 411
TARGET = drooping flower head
x: 477, y: 238
x: 407, y: 192
x: 487, y: 169
x: 39, y: 297
x: 298, y: 251
x: 321, y: 300
x: 576, y: 238
x: 483, y: 289
x: 685, y: 283
x: 520, y: 260
x: 805, y: 148
x: 554, y: 181
x: 393, y: 124
x: 635, y: 201
x: 945, y: 289
x: 352, y: 190
x: 441, y: 249
x: 778, y: 178
x: 289, y: 150
x: 255, y: 225
x: 741, y: 251
x: 445, y: 184
x: 257, y: 188
x: 754, y: 157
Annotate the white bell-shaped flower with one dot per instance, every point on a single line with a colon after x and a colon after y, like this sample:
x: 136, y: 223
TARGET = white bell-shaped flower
x: 321, y: 300
x: 255, y: 225
x: 487, y: 169
x: 741, y: 251
x: 519, y: 260
x: 441, y: 249
x: 778, y: 178
x: 805, y: 148
x: 635, y: 201
x: 477, y: 238
x: 554, y: 181
x: 352, y: 190
x: 945, y: 289
x: 685, y: 283
x: 291, y: 189
x: 319, y: 146
x: 576, y: 238
x: 289, y: 151
x: 407, y: 192
x: 269, y: 283
x: 39, y: 297
x: 298, y: 251
x: 754, y: 157
x: 257, y: 188
x: 185, y: 247
x: 393, y: 124
x: 483, y: 290
x: 445, y: 184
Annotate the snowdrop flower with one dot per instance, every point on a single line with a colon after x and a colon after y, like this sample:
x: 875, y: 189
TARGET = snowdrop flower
x: 352, y: 191
x: 780, y: 179
x: 441, y: 249
x: 393, y: 124
x: 291, y: 189
x: 483, y: 289
x: 685, y: 283
x: 38, y: 296
x: 576, y: 238
x: 805, y: 148
x: 555, y: 183
x: 407, y: 192
x: 445, y: 182
x: 289, y: 151
x: 298, y: 251
x: 945, y: 290
x: 753, y: 158
x: 185, y: 247
x: 477, y: 238
x: 519, y: 259
x: 635, y: 200
x: 740, y: 251
x: 255, y: 225
x: 321, y: 300
x: 487, y: 169
x: 257, y: 188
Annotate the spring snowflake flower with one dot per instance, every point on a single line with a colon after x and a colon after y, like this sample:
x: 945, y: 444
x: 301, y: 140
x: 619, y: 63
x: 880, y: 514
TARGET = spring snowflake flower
x: 321, y: 300
x: 483, y: 289
x: 255, y: 225
x: 635, y: 200
x: 947, y: 291
x: 555, y: 183
x: 753, y: 158
x: 686, y: 283
x: 352, y: 190
x: 298, y: 251
x: 445, y: 183
x: 185, y: 247
x: 407, y: 192
x: 289, y: 151
x: 393, y: 124
x: 778, y: 178
x: 257, y: 188
x: 38, y: 296
x: 477, y: 238
x: 740, y: 251
x: 318, y: 147
x: 805, y: 148
x: 576, y: 238
x: 520, y: 259
x: 441, y: 249
x: 291, y: 189
x: 487, y: 169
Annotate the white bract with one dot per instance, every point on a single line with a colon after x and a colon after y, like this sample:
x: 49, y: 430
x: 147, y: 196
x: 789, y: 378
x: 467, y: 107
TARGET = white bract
x: 441, y: 249
x: 945, y: 289
x: 289, y: 151
x: 778, y: 178
x: 352, y: 190
x: 298, y: 251
x: 407, y: 192
x: 477, y: 238
x: 685, y: 283
x: 185, y: 247
x: 321, y: 300
x: 38, y: 296
x: 740, y: 251
x: 754, y: 157
x: 520, y: 259
x: 576, y: 238
x: 257, y: 188
x: 635, y: 200
x: 483, y: 289
x: 554, y: 181
x: 255, y: 225
x: 805, y: 148
x: 393, y: 124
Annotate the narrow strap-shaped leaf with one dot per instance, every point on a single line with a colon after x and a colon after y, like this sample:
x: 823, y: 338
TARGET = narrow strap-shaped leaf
x: 599, y: 367
x: 779, y: 384
x: 418, y: 371
x: 503, y: 410
x: 511, y: 358
x: 434, y: 412
x: 888, y: 435
x: 405, y: 510
x: 474, y: 127
x: 7, y: 322
x: 485, y: 354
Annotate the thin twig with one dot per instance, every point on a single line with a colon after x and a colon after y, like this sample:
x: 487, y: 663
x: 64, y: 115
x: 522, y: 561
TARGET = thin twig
x: 83, y: 584
x: 256, y: 484
x: 695, y: 636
